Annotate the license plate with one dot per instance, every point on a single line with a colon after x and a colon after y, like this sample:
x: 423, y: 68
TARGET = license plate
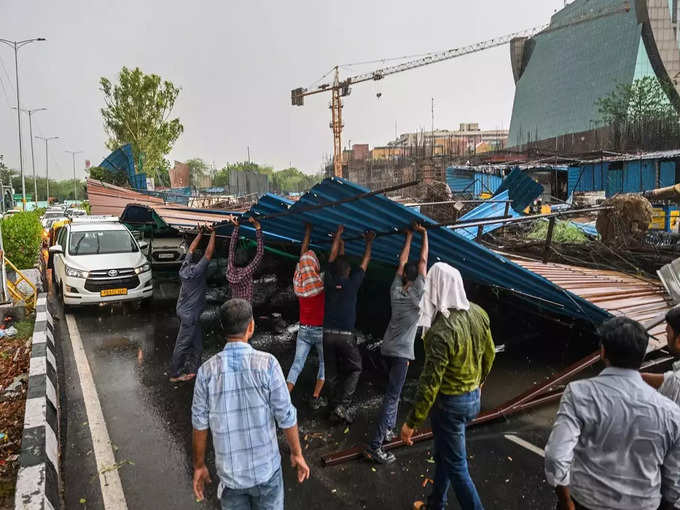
x: 164, y: 256
x: 113, y: 292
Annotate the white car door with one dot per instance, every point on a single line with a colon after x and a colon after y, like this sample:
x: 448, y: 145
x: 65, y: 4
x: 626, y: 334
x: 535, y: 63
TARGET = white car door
x: 58, y: 262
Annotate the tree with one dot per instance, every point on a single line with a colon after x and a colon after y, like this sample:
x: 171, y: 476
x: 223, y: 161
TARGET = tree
x: 118, y: 178
x: 197, y: 168
x: 137, y: 111
x: 640, y: 110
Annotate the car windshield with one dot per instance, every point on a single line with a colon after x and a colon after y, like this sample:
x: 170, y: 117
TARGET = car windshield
x: 55, y: 214
x: 99, y: 242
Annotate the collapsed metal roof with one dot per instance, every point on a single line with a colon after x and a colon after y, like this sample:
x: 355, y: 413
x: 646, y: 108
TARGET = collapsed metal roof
x: 286, y: 220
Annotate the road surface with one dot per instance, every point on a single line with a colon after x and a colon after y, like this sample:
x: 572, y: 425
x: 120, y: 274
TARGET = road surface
x: 147, y: 420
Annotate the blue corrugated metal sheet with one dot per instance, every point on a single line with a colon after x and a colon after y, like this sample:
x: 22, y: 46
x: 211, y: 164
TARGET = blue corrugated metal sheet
x: 121, y: 160
x: 523, y: 189
x: 666, y: 174
x: 486, y: 183
x: 467, y: 180
x: 460, y: 180
x: 476, y: 263
x: 486, y: 210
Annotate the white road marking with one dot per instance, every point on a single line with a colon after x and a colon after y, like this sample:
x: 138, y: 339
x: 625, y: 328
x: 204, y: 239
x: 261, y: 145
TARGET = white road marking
x: 112, y: 489
x: 525, y: 444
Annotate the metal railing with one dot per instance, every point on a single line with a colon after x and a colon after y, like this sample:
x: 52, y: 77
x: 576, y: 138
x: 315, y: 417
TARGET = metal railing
x: 13, y: 286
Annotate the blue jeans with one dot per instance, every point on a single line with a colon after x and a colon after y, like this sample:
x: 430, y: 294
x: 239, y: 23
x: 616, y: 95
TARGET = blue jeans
x: 307, y: 337
x: 186, y: 358
x: 450, y: 414
x: 388, y: 413
x: 266, y: 496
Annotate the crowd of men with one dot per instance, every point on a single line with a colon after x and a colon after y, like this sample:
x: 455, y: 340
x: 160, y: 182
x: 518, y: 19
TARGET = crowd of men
x: 615, y: 443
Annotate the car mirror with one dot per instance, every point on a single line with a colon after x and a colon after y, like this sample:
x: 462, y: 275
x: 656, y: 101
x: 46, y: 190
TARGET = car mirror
x: 143, y: 245
x: 56, y: 249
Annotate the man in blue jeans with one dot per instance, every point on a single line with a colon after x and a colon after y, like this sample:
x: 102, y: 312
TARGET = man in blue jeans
x: 397, y: 347
x: 459, y: 352
x: 241, y: 396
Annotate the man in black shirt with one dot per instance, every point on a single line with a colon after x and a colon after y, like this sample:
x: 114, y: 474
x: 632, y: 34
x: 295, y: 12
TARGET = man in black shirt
x: 339, y: 342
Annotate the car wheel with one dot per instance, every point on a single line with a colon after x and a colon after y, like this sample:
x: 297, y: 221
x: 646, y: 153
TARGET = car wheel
x: 65, y: 307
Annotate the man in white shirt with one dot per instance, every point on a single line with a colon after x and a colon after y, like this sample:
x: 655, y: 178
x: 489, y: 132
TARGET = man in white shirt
x: 668, y: 383
x: 615, y: 443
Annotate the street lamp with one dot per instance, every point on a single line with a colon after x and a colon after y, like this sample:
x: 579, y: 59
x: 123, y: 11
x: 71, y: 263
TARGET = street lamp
x: 16, y: 45
x: 75, y: 182
x: 30, y: 129
x: 47, y: 166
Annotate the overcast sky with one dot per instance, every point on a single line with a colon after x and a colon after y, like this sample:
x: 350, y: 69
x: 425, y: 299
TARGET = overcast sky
x: 236, y: 62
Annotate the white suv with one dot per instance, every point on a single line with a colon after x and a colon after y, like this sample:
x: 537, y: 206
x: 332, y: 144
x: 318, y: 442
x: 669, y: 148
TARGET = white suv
x: 97, y: 263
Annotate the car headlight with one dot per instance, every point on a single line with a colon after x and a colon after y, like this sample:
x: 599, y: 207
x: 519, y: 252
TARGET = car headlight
x: 143, y: 268
x: 76, y: 273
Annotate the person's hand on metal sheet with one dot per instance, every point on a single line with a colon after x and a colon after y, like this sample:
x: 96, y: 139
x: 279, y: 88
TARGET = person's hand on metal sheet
x: 369, y: 236
x: 407, y: 434
x: 299, y: 463
x: 418, y: 227
x: 201, y: 477
x: 255, y: 223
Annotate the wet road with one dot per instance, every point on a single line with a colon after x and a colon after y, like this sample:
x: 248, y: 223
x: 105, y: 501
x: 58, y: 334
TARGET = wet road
x: 148, y: 421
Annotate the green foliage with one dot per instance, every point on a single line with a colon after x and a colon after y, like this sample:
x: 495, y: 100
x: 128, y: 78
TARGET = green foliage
x: 118, y: 178
x: 643, y: 100
x: 197, y: 168
x: 137, y: 111
x: 21, y: 238
x: 564, y: 232
x: 282, y: 181
x: 25, y: 328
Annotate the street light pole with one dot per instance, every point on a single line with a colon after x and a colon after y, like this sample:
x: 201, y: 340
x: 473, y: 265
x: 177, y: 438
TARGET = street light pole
x: 16, y: 45
x: 30, y: 129
x: 75, y: 182
x: 47, y: 165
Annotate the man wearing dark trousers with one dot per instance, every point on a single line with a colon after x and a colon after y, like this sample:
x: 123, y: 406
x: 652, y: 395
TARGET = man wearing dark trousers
x: 406, y: 292
x: 339, y: 343
x: 186, y: 358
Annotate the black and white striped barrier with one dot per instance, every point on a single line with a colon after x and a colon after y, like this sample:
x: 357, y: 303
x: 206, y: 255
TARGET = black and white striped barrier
x: 39, y: 480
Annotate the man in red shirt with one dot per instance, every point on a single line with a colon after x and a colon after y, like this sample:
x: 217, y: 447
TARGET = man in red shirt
x: 309, y: 288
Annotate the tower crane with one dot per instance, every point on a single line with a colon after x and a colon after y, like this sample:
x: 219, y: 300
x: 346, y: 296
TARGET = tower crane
x: 340, y: 88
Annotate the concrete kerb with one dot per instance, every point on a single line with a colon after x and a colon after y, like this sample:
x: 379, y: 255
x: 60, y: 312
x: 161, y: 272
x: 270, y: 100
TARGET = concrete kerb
x: 39, y: 480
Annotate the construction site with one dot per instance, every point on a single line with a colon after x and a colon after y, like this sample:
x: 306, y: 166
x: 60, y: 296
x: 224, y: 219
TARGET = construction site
x: 565, y: 220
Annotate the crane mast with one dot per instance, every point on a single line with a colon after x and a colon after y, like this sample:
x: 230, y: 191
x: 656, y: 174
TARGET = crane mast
x: 341, y: 88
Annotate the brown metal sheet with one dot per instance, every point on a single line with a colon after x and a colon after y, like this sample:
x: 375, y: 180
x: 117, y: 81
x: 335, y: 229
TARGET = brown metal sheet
x: 618, y: 293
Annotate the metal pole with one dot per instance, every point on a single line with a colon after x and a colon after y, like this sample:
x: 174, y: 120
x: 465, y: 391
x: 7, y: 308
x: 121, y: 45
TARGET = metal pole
x: 47, y: 165
x: 75, y: 182
x: 75, y: 187
x: 21, y: 155
x: 35, y: 183
x: 16, y: 45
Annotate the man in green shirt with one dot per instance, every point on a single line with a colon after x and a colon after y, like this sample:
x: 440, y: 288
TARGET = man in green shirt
x: 459, y: 352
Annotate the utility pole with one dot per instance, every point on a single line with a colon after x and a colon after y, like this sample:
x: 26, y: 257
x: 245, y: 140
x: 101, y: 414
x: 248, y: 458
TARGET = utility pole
x: 30, y: 129
x: 47, y: 165
x: 75, y: 182
x: 16, y: 45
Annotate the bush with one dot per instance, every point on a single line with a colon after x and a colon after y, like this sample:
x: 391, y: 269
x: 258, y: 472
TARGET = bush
x: 21, y: 235
x: 564, y: 232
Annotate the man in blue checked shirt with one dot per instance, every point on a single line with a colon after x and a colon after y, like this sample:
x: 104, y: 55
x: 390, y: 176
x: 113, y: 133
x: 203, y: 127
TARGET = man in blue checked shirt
x: 241, y: 396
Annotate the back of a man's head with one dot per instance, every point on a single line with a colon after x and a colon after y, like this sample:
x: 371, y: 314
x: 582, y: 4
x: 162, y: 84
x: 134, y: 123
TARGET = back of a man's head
x: 410, y: 272
x: 235, y: 316
x: 624, y: 341
x: 342, y: 267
